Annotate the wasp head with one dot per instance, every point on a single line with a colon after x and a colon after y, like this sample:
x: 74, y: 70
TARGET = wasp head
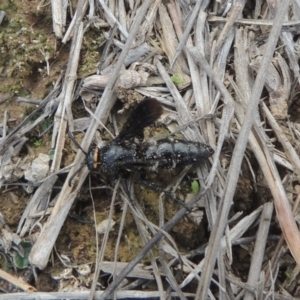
x: 93, y: 158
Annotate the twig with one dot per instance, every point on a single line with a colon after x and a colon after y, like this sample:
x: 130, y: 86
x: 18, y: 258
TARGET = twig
x: 169, y: 43
x: 59, y: 16
x: 2, y: 15
x: 185, y: 35
x: 82, y: 295
x: 259, y: 250
x: 281, y: 240
x: 30, y: 101
x: 4, y: 124
x: 227, y: 111
x: 122, y: 16
x: 60, y: 125
x: 106, y: 47
x: 17, y: 282
x: 40, y: 196
x: 203, y: 106
x: 147, y: 25
x: 184, y: 114
x: 111, y: 19
x: 237, y: 9
x: 201, y: 42
x: 256, y: 22
x: 21, y: 129
x: 287, y: 146
x: 70, y: 30
x: 276, y: 186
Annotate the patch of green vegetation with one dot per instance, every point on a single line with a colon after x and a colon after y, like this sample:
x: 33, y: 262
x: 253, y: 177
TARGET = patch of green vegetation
x: 22, y: 48
x: 195, y: 187
x: 46, y: 124
x: 5, y: 262
x: 11, y: 88
x: 24, y: 93
x: 92, y: 42
x: 176, y: 79
x: 44, y: 17
x: 51, y: 154
x: 35, y: 142
x: 8, y: 6
x: 23, y: 44
x: 22, y: 262
x: 28, y: 110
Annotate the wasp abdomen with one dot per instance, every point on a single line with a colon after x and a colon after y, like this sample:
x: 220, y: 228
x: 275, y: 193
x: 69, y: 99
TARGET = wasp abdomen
x: 172, y: 153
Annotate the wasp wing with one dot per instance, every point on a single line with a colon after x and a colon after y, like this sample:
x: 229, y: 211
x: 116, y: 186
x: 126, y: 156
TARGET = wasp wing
x: 142, y: 116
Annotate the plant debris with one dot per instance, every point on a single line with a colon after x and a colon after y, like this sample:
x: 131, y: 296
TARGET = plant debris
x: 227, y: 75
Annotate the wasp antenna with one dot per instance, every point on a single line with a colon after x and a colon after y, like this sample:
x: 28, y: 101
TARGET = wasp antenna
x: 76, y: 143
x: 72, y: 177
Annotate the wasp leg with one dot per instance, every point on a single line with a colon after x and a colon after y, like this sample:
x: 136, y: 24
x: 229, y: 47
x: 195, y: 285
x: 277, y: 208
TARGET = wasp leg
x: 126, y: 190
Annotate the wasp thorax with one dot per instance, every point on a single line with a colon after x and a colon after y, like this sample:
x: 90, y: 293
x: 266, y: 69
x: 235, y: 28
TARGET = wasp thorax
x: 93, y: 158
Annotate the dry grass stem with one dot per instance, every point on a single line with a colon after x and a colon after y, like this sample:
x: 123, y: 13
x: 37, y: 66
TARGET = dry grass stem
x: 287, y: 146
x: 257, y: 22
x: 111, y: 19
x: 59, y: 16
x: 79, y: 13
x: 82, y: 295
x: 258, y: 253
x: 17, y: 282
x: 64, y: 114
x: 169, y: 44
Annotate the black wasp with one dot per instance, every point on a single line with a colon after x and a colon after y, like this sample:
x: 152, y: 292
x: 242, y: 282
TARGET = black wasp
x: 125, y: 152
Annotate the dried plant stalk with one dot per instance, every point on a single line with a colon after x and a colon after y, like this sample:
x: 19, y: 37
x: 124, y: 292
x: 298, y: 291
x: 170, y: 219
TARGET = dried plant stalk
x: 59, y: 16
x: 169, y: 44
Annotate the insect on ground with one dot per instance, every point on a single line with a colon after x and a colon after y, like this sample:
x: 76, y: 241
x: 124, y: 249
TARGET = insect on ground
x: 127, y: 153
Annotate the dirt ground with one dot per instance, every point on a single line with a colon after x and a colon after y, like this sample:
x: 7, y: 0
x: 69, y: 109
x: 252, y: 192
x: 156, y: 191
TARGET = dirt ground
x: 31, y: 61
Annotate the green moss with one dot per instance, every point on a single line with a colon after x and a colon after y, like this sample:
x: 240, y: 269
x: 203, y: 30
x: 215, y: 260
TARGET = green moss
x: 46, y: 124
x: 28, y: 110
x: 8, y: 6
x: 22, y: 45
x: 92, y: 43
x: 15, y: 88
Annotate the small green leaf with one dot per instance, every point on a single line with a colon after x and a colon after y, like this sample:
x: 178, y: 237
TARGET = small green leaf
x: 288, y: 273
x: 46, y: 124
x: 37, y: 143
x: 23, y: 262
x: 195, y: 187
x: 176, y: 79
x: 51, y: 154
